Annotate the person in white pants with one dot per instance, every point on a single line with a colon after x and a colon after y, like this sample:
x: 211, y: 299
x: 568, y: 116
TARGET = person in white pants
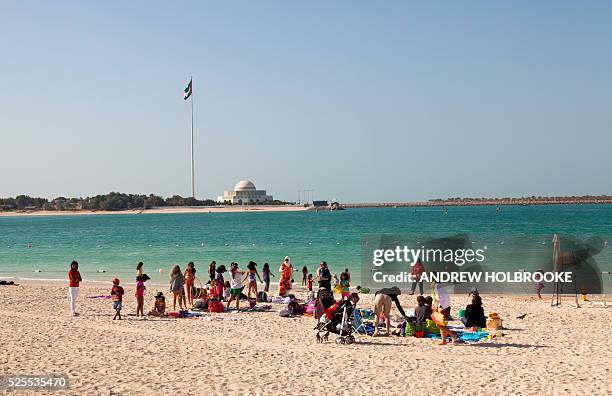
x: 73, y: 290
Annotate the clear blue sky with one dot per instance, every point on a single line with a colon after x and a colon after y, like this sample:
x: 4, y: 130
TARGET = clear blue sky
x: 363, y: 101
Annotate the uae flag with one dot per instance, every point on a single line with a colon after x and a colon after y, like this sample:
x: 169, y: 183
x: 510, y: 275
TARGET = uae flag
x: 188, y: 90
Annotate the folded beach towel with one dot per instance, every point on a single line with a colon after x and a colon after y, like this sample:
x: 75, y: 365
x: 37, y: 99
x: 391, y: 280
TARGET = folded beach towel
x: 466, y: 336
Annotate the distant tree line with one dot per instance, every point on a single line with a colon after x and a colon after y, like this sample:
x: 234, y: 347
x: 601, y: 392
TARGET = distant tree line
x: 110, y: 202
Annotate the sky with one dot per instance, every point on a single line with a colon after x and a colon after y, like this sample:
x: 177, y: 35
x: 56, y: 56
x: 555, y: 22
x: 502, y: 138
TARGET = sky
x: 362, y: 101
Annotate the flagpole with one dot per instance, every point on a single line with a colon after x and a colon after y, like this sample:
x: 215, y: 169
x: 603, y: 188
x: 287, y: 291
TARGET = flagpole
x: 192, y: 162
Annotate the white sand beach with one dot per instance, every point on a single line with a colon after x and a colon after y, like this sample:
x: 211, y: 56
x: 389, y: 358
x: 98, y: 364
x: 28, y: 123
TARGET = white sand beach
x: 553, y: 351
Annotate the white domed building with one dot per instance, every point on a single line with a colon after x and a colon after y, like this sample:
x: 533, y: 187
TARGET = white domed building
x: 244, y: 193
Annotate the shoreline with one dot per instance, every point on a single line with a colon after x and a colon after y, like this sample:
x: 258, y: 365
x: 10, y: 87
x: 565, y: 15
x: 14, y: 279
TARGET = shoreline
x: 169, y: 210
x: 292, y: 208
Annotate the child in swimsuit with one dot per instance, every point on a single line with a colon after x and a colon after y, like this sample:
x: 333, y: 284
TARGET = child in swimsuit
x: 140, y: 290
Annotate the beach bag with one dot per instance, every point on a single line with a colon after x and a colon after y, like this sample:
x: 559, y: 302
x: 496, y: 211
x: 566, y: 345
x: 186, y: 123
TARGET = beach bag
x: 431, y: 327
x: 438, y: 318
x: 262, y: 297
x: 410, y: 330
x: 284, y: 313
x: 216, y: 307
x: 200, y: 304
x: 420, y: 330
x: 494, y: 322
x: 311, y: 307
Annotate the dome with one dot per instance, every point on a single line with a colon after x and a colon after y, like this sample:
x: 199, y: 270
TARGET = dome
x: 244, y: 185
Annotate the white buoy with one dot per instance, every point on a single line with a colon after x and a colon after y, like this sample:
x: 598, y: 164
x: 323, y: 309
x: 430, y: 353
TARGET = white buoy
x: 101, y: 270
x: 161, y: 270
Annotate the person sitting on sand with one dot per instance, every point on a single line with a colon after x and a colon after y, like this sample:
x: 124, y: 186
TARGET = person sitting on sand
x: 236, y: 287
x: 252, y: 276
x: 474, y: 313
x: 422, y: 312
x: 159, y: 308
x: 177, y: 282
x: 117, y: 293
x: 382, y: 305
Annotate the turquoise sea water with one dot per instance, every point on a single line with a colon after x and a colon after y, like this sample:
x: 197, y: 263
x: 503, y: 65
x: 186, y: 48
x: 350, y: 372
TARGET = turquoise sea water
x: 116, y: 243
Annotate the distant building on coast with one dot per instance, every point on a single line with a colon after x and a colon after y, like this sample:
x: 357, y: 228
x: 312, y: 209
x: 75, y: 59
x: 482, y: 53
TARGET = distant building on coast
x: 244, y: 193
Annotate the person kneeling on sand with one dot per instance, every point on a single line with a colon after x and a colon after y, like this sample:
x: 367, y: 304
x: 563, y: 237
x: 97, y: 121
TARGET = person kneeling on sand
x: 382, y: 305
x: 159, y: 309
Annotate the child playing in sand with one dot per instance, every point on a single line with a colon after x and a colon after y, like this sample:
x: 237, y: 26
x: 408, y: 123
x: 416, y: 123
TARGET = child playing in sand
x: 117, y: 293
x: 159, y: 309
x: 140, y: 290
x: 252, y: 276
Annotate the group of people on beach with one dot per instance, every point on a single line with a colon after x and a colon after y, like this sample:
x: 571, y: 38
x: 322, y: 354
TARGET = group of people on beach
x: 239, y: 285
x: 182, y: 286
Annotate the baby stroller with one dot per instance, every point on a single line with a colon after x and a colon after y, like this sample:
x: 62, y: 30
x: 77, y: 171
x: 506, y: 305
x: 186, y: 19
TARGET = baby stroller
x: 338, y: 319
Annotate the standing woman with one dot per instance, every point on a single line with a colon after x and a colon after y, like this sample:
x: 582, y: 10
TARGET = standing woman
x: 304, y: 276
x: 266, y: 276
x: 139, y: 270
x: 189, y: 279
x: 219, y: 282
x: 212, y: 273
x: 74, y: 276
x: 177, y: 281
x: 252, y: 276
x: 284, y: 282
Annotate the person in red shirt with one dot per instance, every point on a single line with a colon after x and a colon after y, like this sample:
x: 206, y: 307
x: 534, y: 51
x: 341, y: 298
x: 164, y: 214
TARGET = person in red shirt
x: 117, y: 293
x: 73, y: 290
